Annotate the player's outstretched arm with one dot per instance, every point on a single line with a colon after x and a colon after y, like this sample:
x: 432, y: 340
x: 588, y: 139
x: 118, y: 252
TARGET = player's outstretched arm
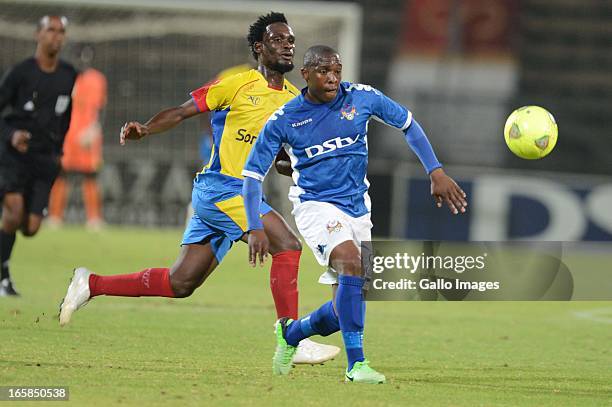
x: 263, y: 154
x: 258, y: 241
x: 445, y: 190
x: 162, y: 121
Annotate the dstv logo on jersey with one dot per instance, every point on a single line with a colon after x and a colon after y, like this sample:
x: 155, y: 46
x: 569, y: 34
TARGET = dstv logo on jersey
x: 330, y: 145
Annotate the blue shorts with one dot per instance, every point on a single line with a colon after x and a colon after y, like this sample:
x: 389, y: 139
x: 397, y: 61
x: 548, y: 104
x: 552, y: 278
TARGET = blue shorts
x: 219, y: 218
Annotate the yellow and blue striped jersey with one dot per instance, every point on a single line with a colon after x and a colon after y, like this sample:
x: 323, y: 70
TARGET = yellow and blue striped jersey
x: 240, y: 106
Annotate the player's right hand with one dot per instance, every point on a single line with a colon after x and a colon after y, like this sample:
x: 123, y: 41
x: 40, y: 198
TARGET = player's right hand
x: 20, y: 140
x: 258, y: 247
x: 132, y: 131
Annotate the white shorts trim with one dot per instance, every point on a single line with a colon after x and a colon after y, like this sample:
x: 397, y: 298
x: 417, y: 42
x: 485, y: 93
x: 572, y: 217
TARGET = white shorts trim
x: 324, y: 227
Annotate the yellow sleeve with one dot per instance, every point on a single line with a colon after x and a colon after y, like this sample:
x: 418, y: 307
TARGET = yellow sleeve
x: 217, y: 94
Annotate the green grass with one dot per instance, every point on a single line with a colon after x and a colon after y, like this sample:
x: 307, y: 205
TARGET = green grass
x: 216, y: 347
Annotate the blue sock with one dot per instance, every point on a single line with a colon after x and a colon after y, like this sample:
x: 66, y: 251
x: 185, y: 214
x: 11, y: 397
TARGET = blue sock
x: 351, y: 314
x: 322, y: 322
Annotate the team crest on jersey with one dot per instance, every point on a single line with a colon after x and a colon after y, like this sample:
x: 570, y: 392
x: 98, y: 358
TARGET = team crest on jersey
x: 254, y: 100
x: 348, y: 112
x: 334, y: 226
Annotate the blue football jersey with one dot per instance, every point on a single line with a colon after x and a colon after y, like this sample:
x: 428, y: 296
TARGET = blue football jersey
x: 327, y: 144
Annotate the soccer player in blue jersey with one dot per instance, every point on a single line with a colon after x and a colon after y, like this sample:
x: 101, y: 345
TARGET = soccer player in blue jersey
x: 324, y: 131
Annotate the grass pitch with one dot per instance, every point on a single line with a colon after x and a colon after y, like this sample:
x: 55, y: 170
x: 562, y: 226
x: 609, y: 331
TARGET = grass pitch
x: 215, y: 347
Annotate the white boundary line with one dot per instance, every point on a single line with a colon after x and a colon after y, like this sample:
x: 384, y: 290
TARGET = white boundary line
x: 602, y: 315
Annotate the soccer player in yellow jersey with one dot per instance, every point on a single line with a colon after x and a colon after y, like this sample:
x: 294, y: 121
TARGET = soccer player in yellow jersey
x: 239, y: 106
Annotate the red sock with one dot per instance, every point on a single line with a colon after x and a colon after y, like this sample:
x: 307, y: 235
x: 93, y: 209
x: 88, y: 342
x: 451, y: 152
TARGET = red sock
x: 147, y: 283
x: 283, y: 282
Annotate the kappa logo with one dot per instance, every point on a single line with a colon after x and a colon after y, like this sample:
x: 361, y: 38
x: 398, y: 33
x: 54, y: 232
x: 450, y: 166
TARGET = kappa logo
x: 303, y: 122
x: 330, y: 145
x: 254, y: 100
x: 348, y: 112
x: 334, y: 226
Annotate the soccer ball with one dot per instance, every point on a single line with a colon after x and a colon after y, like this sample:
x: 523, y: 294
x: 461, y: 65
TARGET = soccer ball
x: 531, y: 132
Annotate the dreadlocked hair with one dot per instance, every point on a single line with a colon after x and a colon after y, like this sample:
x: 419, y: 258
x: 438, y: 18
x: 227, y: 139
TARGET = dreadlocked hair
x: 258, y: 28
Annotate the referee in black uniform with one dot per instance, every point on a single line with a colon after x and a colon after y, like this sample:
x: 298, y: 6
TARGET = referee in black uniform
x: 37, y: 93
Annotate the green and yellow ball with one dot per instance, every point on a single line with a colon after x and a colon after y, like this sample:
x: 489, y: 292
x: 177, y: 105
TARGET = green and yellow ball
x: 531, y: 132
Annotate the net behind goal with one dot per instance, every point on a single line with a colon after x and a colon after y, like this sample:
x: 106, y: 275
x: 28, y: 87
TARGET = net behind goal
x: 153, y: 53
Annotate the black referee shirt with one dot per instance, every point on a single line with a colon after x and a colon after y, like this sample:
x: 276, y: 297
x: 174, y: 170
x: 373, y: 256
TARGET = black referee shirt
x: 39, y: 102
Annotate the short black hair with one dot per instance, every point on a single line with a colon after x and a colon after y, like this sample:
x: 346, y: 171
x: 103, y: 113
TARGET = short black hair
x: 314, y: 54
x: 258, y: 28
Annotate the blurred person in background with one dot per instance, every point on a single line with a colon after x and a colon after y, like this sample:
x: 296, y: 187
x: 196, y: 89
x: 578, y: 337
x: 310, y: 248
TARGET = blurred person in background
x: 83, y: 145
x: 38, y: 92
